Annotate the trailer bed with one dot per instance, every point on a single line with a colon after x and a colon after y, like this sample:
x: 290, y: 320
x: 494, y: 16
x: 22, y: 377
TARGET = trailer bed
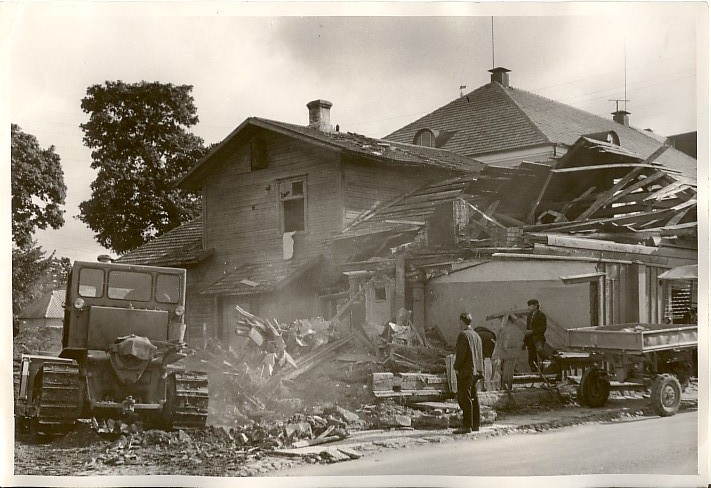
x: 635, y: 338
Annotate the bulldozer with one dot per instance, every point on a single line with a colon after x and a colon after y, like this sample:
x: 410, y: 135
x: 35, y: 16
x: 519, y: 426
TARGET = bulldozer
x: 122, y: 346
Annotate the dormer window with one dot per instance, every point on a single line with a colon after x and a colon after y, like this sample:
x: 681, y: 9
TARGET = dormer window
x: 425, y: 137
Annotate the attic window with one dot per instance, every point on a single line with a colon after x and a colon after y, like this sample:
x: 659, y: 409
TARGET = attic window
x: 292, y: 203
x: 259, y: 154
x: 425, y: 137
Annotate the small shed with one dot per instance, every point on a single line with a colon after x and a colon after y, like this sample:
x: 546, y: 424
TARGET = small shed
x: 46, y: 311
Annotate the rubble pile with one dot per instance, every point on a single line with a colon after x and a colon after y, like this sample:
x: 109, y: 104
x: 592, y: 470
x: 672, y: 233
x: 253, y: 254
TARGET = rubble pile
x: 130, y: 444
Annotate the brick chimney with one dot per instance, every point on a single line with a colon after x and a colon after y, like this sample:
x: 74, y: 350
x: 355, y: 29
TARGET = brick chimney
x: 621, y: 117
x: 500, y: 76
x: 320, y: 115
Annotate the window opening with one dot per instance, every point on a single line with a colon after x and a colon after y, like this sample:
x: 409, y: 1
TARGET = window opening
x: 168, y: 288
x: 292, y: 197
x: 91, y: 282
x: 425, y: 138
x: 129, y: 285
x: 259, y: 154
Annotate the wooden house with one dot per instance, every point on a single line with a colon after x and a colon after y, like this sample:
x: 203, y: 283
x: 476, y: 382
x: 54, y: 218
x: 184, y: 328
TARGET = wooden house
x: 273, y: 193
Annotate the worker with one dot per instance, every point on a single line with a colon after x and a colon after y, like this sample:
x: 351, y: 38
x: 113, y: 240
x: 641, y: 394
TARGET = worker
x: 469, y: 365
x: 534, y: 339
x: 488, y: 343
x: 506, y: 352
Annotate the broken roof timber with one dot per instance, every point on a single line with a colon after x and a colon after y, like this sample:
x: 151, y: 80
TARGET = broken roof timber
x: 609, y: 194
x: 598, y: 167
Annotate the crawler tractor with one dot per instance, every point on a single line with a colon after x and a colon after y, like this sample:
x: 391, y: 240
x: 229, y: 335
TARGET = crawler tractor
x: 122, y: 345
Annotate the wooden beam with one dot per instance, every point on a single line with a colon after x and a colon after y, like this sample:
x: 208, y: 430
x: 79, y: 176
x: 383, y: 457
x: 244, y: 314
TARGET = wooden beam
x: 625, y: 219
x: 642, y: 183
x: 677, y: 218
x: 530, y: 218
x: 674, y: 187
x: 507, y: 220
x: 486, y: 217
x: 347, y: 306
x: 577, y: 199
x: 609, y: 194
x: 653, y: 157
x: 599, y: 167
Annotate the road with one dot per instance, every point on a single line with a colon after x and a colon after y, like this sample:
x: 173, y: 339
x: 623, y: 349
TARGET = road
x: 642, y: 446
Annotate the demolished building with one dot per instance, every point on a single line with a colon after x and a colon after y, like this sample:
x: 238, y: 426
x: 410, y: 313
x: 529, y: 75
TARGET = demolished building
x: 588, y: 234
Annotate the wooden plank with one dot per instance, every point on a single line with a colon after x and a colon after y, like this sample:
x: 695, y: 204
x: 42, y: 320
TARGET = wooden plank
x: 530, y: 218
x: 653, y: 157
x: 608, y: 194
x: 670, y: 189
x: 640, y: 184
x: 601, y: 167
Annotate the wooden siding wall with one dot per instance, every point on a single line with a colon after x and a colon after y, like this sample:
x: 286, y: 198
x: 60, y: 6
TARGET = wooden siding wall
x: 366, y: 183
x: 242, y: 206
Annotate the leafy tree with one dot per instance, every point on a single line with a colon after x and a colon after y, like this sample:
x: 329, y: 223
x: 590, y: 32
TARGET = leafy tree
x: 37, y: 186
x: 141, y: 147
x: 33, y: 275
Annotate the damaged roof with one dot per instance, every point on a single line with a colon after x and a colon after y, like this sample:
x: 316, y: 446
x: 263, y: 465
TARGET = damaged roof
x: 596, y: 186
x: 262, y: 277
x: 495, y: 118
x: 180, y: 246
x: 392, y: 152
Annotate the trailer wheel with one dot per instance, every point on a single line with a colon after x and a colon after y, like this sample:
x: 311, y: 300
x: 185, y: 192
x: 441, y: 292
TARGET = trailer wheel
x: 594, y: 389
x: 666, y: 395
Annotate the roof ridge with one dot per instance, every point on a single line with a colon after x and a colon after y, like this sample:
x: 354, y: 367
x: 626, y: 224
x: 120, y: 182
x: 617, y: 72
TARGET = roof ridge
x: 443, y: 107
x: 589, y: 114
x: 523, y: 112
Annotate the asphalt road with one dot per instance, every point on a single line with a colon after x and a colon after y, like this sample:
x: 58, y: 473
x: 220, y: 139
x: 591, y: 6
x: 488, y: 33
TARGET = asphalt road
x: 641, y: 446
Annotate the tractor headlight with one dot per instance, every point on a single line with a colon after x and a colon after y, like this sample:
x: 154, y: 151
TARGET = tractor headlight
x: 179, y: 310
x: 79, y: 303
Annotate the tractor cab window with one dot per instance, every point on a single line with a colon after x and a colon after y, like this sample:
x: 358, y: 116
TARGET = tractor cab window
x: 168, y: 288
x: 91, y: 282
x: 129, y: 285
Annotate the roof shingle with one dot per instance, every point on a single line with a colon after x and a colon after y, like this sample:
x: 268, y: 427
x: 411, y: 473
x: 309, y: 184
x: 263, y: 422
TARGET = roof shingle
x: 181, y: 245
x: 497, y: 118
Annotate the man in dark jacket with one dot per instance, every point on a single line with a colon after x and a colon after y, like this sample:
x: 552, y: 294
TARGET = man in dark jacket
x: 488, y: 343
x: 534, y: 339
x: 469, y: 365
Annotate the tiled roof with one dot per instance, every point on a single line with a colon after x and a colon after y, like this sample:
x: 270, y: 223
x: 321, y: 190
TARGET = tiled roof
x: 409, y: 154
x: 48, y: 306
x: 255, y: 278
x: 404, y: 154
x: 497, y: 118
x: 182, y: 245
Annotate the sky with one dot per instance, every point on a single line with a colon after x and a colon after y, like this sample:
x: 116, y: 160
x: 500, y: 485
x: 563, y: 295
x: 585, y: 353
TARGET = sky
x: 382, y: 65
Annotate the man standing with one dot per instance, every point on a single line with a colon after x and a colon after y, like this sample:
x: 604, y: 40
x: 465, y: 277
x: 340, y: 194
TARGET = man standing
x: 488, y: 343
x: 535, y: 338
x: 469, y: 365
x: 506, y: 351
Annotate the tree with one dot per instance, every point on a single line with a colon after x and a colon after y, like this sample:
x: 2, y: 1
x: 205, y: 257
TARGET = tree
x: 141, y: 147
x: 37, y: 186
x: 38, y: 192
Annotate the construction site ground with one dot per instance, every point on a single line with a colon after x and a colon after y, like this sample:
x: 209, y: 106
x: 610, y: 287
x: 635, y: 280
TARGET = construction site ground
x: 329, y: 412
x: 209, y: 453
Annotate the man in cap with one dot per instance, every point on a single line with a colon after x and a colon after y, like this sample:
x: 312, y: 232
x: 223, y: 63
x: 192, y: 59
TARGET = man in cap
x: 535, y: 336
x: 469, y: 365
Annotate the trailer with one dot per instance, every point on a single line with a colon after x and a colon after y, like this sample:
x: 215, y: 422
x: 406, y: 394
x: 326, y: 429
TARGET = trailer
x: 655, y: 357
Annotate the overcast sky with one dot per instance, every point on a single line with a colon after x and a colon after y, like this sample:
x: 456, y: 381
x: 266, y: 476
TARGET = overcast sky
x: 380, y: 72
